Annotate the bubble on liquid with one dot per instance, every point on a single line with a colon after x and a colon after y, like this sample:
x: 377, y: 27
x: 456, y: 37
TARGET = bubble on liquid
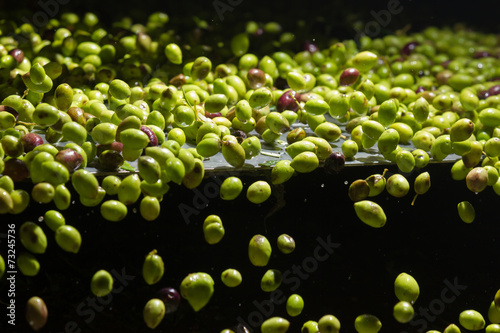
x: 322, y: 185
x: 134, y: 210
x: 40, y: 219
x: 346, y: 182
x: 305, y: 200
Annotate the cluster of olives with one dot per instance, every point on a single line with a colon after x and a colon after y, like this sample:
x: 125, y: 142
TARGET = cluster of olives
x: 120, y: 118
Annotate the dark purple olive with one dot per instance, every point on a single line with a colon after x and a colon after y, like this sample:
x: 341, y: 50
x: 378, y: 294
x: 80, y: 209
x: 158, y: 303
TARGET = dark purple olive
x: 70, y: 158
x: 281, y: 83
x: 310, y: 46
x: 240, y: 135
x: 287, y: 102
x: 170, y: 297
x: 153, y: 140
x: 110, y: 160
x: 259, y: 32
x: 256, y: 78
x: 18, y: 54
x: 335, y: 162
x: 30, y: 141
x: 242, y: 329
x: 409, y: 48
x: 6, y: 108
x: 117, y: 146
x: 348, y: 77
x: 483, y: 94
x: 494, y: 90
x: 420, y: 89
x: 16, y: 169
x: 481, y: 54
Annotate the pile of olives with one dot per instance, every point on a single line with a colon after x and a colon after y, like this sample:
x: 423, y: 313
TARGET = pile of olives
x: 121, y: 117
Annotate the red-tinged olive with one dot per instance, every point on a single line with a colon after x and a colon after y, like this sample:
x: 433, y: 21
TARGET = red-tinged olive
x: 77, y: 114
x: 348, y: 77
x: 153, y: 140
x: 409, y: 48
x: 287, y: 101
x: 116, y: 146
x: 70, y: 158
x: 18, y: 54
x: 30, y: 141
x: 171, y: 297
x: 481, y: 54
x: 212, y: 115
x: 334, y: 163
x: 16, y: 169
x: 256, y: 78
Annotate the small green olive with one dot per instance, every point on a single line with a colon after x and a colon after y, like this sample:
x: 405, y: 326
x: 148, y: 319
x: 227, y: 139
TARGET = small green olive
x: 231, y: 277
x: 153, y: 268
x: 101, y: 283
x: 403, y: 312
x: 367, y: 323
x: 153, y: 312
x: 113, y: 210
x: 259, y: 250
x: 328, y: 324
x: 294, y: 305
x: 275, y: 325
x: 28, y: 264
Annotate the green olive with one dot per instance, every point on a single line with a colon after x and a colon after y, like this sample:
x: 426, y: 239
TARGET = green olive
x: 403, y: 312
x: 294, y: 305
x: 370, y: 213
x: 149, y: 207
x: 471, y: 320
x: 32, y: 237
x: 68, y: 238
x: 113, y: 210
x: 406, y: 288
x: 230, y: 188
x: 271, y: 280
x: 197, y: 288
x: 101, y: 283
x: 213, y: 229
x: 28, y: 264
x: 275, y: 325
x: 153, y: 268
x: 328, y: 324
x: 231, y: 277
x: 259, y: 250
x: 153, y: 312
x: 258, y: 192
x: 367, y: 323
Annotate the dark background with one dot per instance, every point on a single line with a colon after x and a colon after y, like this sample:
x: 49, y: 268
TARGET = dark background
x: 426, y: 240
